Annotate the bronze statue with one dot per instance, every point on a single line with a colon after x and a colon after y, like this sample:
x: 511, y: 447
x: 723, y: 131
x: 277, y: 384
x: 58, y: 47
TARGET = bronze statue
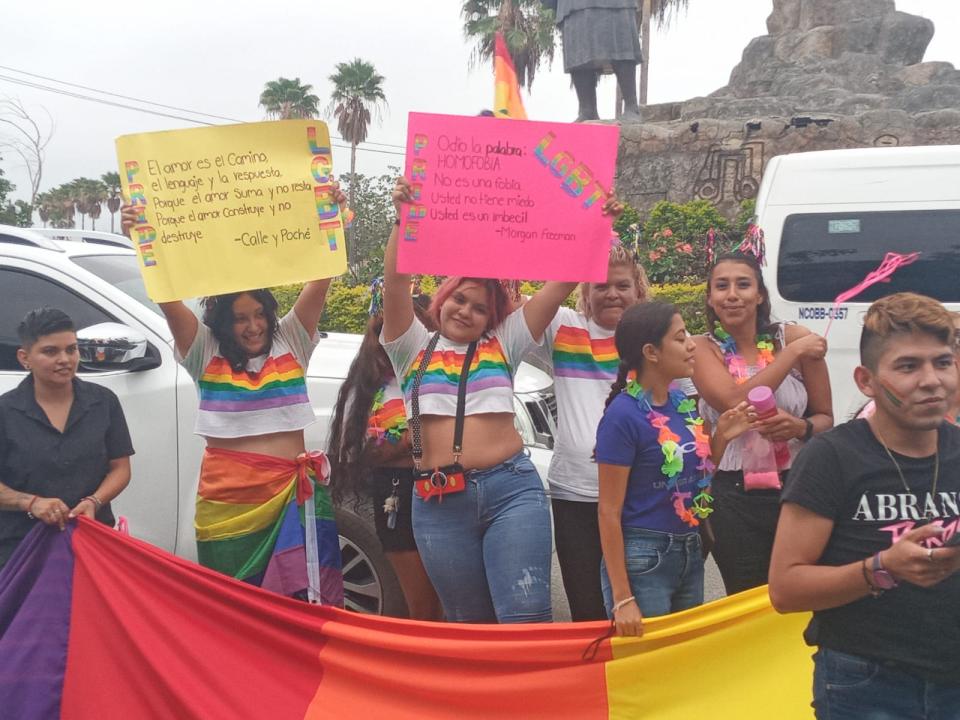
x: 597, y: 34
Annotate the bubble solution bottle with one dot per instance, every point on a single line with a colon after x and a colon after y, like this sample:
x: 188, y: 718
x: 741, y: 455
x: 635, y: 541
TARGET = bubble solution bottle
x: 762, y: 459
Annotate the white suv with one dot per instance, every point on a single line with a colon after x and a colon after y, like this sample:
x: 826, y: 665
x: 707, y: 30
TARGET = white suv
x: 94, y: 278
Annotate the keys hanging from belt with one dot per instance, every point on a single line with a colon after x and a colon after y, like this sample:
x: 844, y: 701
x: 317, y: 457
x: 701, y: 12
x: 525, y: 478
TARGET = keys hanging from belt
x: 392, y: 505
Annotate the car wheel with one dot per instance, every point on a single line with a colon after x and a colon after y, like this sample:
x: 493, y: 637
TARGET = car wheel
x: 369, y: 583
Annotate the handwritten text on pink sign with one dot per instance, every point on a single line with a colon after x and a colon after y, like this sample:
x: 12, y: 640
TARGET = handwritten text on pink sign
x: 507, y: 198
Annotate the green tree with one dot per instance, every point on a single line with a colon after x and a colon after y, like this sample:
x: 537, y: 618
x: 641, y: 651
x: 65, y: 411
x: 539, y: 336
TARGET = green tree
x: 112, y: 182
x: 283, y: 99
x: 357, y: 96
x: 371, y: 225
x: 88, y: 197
x: 13, y: 212
x: 57, y: 206
x: 528, y: 29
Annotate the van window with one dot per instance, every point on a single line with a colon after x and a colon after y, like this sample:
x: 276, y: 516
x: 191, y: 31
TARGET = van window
x: 824, y: 254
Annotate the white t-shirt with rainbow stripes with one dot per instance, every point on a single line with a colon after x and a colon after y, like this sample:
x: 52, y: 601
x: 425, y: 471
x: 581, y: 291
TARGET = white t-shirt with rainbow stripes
x: 489, y: 380
x: 584, y: 360
x: 269, y: 395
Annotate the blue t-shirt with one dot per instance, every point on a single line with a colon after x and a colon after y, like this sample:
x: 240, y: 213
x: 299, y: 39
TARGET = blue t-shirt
x: 625, y: 437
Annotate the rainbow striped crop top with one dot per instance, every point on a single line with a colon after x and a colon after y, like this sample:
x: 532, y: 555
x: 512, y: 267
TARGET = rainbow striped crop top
x: 489, y: 378
x: 269, y: 395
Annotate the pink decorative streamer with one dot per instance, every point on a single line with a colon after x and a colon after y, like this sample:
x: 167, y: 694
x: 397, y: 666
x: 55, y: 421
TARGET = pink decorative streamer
x: 891, y: 263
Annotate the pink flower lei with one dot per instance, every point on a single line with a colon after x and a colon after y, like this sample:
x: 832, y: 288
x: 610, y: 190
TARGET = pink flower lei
x: 734, y: 361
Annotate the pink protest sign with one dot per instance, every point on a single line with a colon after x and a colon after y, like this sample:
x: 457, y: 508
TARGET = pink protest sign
x: 507, y: 198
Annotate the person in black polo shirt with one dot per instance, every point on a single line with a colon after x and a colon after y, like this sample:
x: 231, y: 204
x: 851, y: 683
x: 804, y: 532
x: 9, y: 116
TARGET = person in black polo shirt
x: 64, y: 445
x: 864, y: 538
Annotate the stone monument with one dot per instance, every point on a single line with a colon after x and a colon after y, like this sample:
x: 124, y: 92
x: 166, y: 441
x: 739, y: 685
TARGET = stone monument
x: 830, y: 74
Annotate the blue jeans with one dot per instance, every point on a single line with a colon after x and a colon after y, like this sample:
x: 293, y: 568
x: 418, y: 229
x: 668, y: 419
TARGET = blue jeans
x: 850, y: 686
x: 487, y: 549
x: 665, y: 571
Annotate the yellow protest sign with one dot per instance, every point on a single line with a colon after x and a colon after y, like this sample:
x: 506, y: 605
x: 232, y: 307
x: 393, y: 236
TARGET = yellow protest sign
x: 234, y: 207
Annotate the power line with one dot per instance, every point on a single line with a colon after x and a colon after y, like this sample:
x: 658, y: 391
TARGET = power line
x: 156, y: 104
x: 102, y: 101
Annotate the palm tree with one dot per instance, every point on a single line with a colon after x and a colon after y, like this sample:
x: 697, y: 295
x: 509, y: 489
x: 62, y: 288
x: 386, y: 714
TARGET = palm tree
x: 112, y: 182
x: 662, y: 11
x: 284, y: 99
x: 527, y: 27
x: 357, y: 95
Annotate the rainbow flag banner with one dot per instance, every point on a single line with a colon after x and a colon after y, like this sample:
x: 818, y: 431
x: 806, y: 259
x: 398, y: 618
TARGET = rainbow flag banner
x: 507, y: 101
x: 94, y: 624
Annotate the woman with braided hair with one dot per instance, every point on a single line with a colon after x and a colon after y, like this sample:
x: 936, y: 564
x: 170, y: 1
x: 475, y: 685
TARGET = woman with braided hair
x: 655, y: 457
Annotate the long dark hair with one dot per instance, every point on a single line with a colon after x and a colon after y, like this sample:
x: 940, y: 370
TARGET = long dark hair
x: 643, y: 324
x: 218, y: 316
x: 764, y: 324
x: 349, y: 465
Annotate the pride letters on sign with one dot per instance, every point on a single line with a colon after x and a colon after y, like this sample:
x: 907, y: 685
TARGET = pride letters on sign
x: 519, y: 200
x: 231, y: 208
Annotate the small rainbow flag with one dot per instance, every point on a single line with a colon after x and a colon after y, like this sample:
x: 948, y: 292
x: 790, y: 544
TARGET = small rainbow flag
x: 507, y: 102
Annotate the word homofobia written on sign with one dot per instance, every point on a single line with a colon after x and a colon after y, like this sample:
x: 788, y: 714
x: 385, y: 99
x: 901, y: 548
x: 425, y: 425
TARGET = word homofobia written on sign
x: 234, y: 207
x: 507, y: 199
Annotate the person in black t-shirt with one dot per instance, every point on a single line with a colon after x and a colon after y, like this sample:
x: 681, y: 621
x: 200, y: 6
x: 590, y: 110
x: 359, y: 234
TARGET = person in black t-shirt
x: 864, y: 536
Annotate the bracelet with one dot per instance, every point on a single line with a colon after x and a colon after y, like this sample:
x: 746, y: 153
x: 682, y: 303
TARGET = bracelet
x: 621, y: 604
x: 874, y: 590
x: 30, y: 505
x: 94, y: 499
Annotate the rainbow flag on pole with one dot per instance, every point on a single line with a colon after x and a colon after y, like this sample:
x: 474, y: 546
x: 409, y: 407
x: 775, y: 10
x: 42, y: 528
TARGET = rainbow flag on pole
x: 94, y: 624
x: 507, y: 102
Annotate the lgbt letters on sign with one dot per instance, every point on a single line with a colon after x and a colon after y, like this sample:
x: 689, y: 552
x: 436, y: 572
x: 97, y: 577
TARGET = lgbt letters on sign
x: 518, y: 200
x: 94, y: 624
x: 230, y: 208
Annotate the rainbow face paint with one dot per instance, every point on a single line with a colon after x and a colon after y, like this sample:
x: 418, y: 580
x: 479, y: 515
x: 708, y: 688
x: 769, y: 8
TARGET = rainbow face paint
x: 894, y: 400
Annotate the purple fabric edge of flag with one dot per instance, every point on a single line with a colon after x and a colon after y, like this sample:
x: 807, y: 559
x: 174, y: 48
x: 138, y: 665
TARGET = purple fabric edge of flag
x: 36, y: 593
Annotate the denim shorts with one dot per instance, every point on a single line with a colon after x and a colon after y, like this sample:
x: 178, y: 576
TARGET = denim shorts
x: 850, y: 687
x: 487, y: 549
x: 665, y: 571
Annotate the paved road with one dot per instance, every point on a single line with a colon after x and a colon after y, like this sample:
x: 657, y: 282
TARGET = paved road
x: 713, y: 589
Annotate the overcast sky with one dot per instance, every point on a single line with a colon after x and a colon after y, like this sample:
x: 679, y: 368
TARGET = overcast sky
x: 214, y: 56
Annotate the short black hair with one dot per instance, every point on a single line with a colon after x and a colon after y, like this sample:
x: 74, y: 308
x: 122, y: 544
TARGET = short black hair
x: 43, y: 321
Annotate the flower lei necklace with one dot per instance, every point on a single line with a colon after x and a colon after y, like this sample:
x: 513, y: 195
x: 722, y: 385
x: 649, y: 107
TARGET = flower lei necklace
x: 735, y: 363
x: 672, y: 459
x: 376, y: 432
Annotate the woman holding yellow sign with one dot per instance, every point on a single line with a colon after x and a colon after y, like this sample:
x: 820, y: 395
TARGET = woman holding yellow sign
x: 263, y: 509
x: 480, y: 516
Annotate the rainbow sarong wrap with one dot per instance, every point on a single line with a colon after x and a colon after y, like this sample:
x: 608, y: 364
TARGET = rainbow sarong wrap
x: 254, y: 519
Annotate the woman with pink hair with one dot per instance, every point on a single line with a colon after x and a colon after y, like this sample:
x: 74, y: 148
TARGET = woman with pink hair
x: 480, y: 514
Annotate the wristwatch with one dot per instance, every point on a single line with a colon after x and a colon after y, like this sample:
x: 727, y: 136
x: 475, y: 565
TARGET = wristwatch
x: 881, y: 578
x: 808, y: 433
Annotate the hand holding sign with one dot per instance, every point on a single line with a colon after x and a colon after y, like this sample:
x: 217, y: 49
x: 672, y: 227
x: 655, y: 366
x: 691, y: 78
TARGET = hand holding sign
x: 518, y: 200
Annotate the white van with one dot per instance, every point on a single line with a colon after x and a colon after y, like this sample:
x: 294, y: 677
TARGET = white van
x: 830, y: 217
